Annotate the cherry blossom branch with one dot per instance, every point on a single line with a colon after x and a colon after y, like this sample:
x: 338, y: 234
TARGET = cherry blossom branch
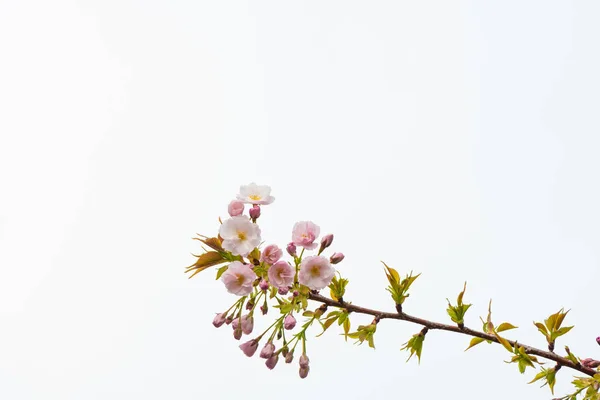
x: 379, y: 315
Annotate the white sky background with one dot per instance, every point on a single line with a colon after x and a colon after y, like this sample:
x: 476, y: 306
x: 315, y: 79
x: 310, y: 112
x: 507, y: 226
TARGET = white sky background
x: 456, y: 139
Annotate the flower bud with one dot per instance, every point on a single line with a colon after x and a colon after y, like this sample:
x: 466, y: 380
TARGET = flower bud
x: 304, y: 372
x: 264, y: 309
x: 237, y: 333
x: 235, y: 208
x: 326, y: 242
x: 250, y: 304
x: 255, y: 212
x: 267, y: 351
x: 598, y: 340
x: 590, y: 363
x: 289, y: 322
x: 219, y: 320
x: 289, y: 357
x: 229, y: 320
x: 272, y: 361
x: 336, y: 258
x: 283, y: 291
x: 296, y: 293
x: 263, y: 285
x: 249, y: 348
x: 304, y: 361
x: 247, y: 324
x: 291, y: 249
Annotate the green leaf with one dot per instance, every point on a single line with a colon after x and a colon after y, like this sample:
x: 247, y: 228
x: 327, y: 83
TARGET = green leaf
x: 221, y: 270
x: 505, y: 326
x: 475, y: 341
x: 415, y: 345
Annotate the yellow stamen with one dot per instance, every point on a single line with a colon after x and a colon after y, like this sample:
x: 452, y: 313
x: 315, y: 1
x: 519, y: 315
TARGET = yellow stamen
x: 242, y: 236
x: 240, y: 279
x: 315, y: 271
x: 254, y: 197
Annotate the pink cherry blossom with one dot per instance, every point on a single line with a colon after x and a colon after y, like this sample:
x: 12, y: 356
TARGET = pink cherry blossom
x: 238, y: 278
x: 281, y: 274
x: 240, y: 235
x: 305, y: 233
x: 255, y: 194
x: 336, y: 258
x: 272, y: 361
x: 271, y: 254
x: 247, y: 324
x: 235, y: 208
x: 315, y: 272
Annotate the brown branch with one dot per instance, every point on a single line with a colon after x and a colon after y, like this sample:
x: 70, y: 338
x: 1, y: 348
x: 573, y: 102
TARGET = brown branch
x: 451, y: 328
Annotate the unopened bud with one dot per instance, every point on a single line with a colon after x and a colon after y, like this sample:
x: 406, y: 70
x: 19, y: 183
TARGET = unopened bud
x: 590, y: 363
x: 336, y: 258
x: 267, y: 351
x: 264, y: 285
x: 272, y: 361
x: 247, y: 324
x: 289, y: 322
x: 296, y: 293
x: 291, y: 249
x: 326, y: 242
x: 283, y: 291
x: 598, y: 340
x: 249, y: 305
x: 304, y: 361
x: 235, y: 208
x: 219, y: 320
x: 237, y: 333
x: 249, y: 348
x: 264, y: 309
x: 229, y: 320
x: 304, y: 372
x: 289, y: 357
x: 255, y: 212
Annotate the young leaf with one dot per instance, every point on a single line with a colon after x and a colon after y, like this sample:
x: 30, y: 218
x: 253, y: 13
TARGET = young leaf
x: 475, y: 341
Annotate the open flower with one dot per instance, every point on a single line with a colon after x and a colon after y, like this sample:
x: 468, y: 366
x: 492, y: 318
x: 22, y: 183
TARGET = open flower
x: 305, y: 233
x: 240, y: 236
x: 255, y: 194
x: 315, y: 272
x: 271, y: 254
x: 281, y: 275
x: 238, y: 278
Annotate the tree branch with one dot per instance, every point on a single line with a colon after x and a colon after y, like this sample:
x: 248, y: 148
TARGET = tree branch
x: 451, y: 328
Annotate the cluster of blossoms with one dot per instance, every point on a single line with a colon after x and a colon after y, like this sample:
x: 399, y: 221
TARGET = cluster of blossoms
x: 257, y: 275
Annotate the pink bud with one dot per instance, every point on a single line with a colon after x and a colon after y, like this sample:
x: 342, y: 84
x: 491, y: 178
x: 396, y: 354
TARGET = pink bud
x: 304, y: 372
x: 272, y: 361
x: 263, y: 285
x: 235, y: 208
x: 304, y: 361
x: 326, y: 242
x: 289, y: 322
x: 289, y: 357
x: 336, y: 258
x: 249, y: 348
x: 267, y: 351
x: 255, y: 212
x: 219, y: 320
x: 291, y: 249
x: 598, y: 340
x: 229, y: 320
x: 264, y: 309
x: 296, y: 293
x: 237, y: 333
x: 283, y: 291
x: 590, y: 363
x: 247, y: 324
